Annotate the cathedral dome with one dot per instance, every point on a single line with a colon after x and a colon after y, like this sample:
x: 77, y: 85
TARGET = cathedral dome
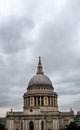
x: 40, y: 79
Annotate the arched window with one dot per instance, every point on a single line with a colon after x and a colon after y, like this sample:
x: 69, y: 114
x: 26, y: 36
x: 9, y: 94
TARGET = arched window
x: 42, y: 125
x: 49, y: 129
x: 31, y: 125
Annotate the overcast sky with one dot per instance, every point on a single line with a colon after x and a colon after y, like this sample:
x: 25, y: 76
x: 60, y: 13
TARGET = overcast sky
x: 33, y: 28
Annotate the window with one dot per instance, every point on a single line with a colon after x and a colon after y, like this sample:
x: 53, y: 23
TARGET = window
x: 49, y: 100
x: 42, y: 125
x: 21, y: 125
x: 42, y: 100
x: 31, y: 125
x: 35, y: 100
x: 52, y: 101
x: 38, y: 100
x: 31, y: 101
x: 45, y: 100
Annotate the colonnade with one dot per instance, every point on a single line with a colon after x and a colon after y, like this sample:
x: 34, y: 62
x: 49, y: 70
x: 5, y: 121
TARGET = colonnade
x: 40, y: 101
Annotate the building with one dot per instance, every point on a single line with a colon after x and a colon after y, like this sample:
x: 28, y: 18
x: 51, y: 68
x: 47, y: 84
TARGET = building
x: 40, y: 109
x: 77, y: 118
x: 3, y: 121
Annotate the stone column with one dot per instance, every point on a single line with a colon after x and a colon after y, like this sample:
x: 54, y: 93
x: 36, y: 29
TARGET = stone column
x: 36, y: 101
x: 45, y: 124
x: 50, y: 101
x: 40, y: 124
x: 55, y: 124
x: 37, y: 124
x: 11, y: 124
x: 23, y: 124
x: 27, y: 101
x: 24, y: 102
x: 27, y: 125
x: 54, y: 101
x: 40, y: 101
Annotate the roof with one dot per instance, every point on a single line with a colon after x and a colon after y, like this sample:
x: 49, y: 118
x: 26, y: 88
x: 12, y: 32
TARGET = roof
x: 40, y: 78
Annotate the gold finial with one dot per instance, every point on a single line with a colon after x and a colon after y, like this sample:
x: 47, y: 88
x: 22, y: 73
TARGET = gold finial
x: 39, y: 67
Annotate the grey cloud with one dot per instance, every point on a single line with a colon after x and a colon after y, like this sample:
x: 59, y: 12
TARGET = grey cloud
x: 11, y: 34
x: 58, y: 51
x: 74, y: 106
x: 14, y: 76
x: 59, y: 38
x: 56, y: 44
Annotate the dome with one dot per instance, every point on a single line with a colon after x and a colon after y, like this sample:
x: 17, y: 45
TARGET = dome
x: 40, y: 79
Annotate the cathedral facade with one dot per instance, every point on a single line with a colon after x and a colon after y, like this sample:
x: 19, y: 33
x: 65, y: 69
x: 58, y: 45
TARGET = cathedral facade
x: 40, y: 108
